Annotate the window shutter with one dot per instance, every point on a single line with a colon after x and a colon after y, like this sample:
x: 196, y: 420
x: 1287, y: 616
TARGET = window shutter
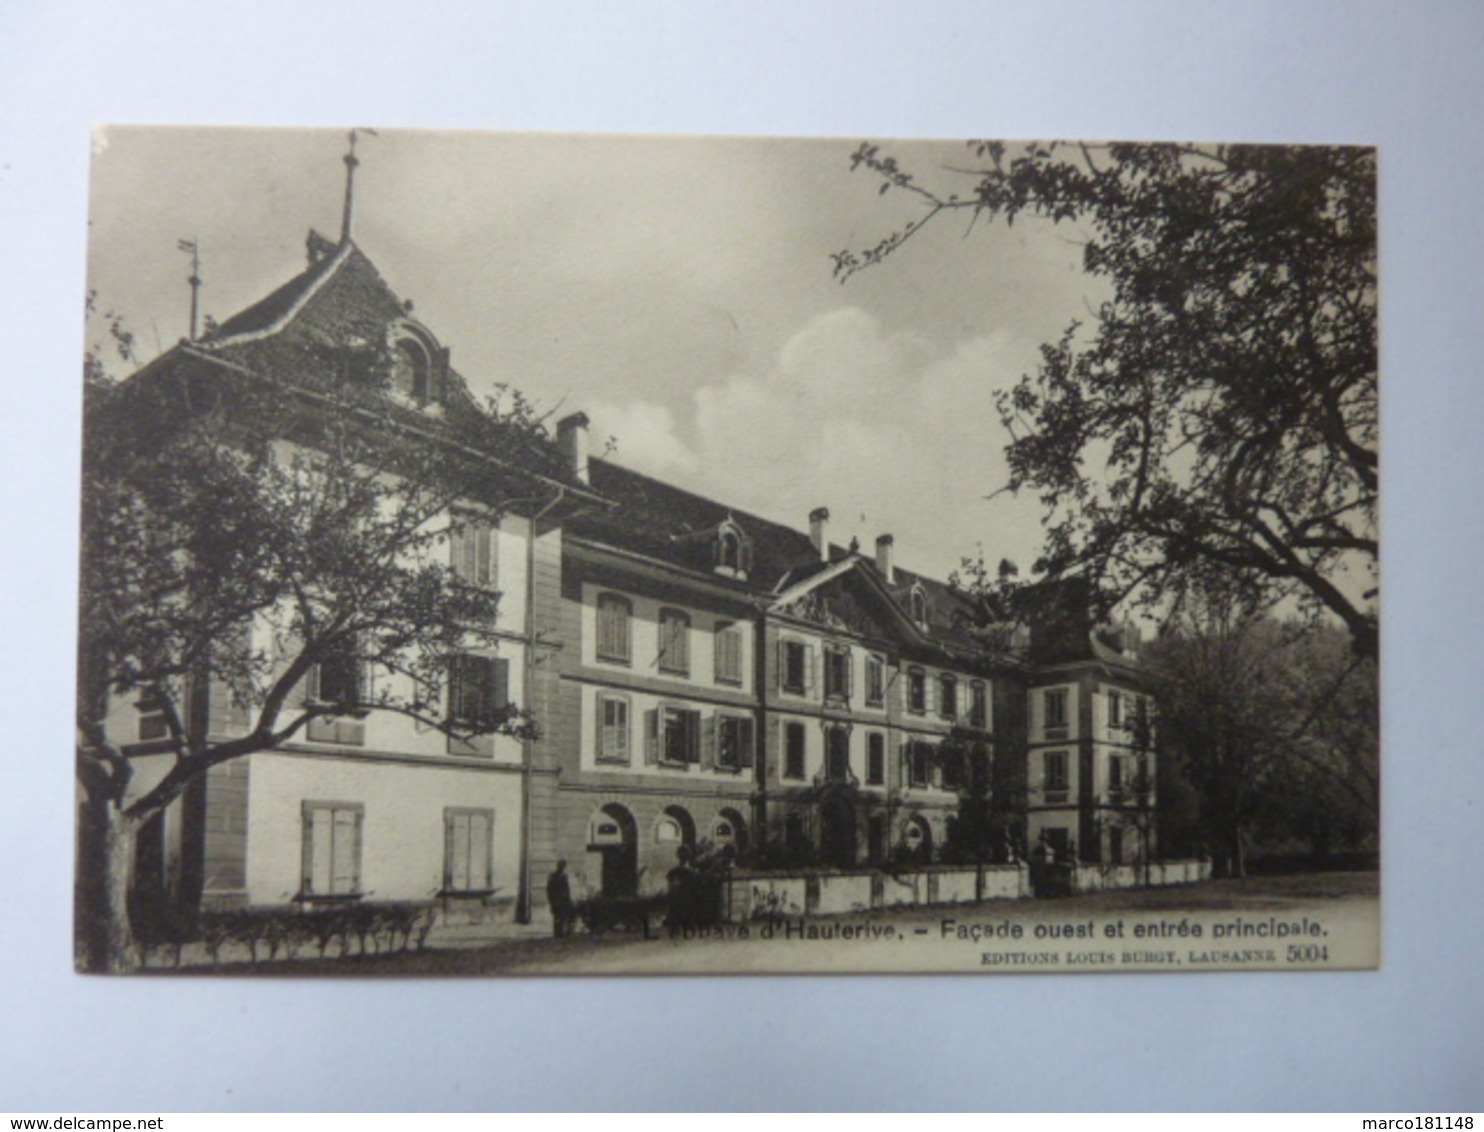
x: 306, y: 852
x: 709, y: 744
x: 811, y: 675
x: 782, y: 664
x: 450, y: 864
x: 849, y: 662
x: 481, y: 840
x: 651, y: 737
x: 745, y: 743
x: 484, y: 570
x: 692, y: 736
x: 499, y: 674
x: 904, y: 764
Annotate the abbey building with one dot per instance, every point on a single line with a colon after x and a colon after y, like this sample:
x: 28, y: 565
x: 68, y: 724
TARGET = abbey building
x: 704, y: 684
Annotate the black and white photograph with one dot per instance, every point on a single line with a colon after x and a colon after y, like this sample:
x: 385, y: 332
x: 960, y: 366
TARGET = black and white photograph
x: 513, y: 554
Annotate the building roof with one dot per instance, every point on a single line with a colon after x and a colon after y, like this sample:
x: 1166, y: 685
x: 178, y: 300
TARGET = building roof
x: 660, y: 521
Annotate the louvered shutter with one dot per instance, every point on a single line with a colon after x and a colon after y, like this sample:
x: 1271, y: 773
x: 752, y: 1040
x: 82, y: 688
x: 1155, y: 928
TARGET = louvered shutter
x: 811, y: 676
x: 710, y: 740
x: 745, y: 743
x: 782, y: 665
x: 651, y: 737
x: 499, y: 676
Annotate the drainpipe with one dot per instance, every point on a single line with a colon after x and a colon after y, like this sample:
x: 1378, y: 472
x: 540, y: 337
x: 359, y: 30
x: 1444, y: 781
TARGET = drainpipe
x: 528, y: 694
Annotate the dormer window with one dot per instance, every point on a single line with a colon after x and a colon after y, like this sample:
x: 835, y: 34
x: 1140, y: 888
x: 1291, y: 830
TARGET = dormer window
x: 416, y: 362
x: 919, y: 606
x: 732, y: 551
x: 411, y: 371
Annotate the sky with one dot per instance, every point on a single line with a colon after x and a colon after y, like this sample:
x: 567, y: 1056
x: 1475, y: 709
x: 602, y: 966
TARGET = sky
x: 677, y: 290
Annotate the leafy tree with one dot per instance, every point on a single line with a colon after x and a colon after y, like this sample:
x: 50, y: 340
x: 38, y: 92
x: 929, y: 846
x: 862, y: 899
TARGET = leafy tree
x: 238, y: 536
x: 1220, y: 412
x: 1273, y: 725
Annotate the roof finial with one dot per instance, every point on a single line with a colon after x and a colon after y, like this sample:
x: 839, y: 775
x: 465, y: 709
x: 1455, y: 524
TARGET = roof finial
x: 192, y: 247
x: 351, y: 161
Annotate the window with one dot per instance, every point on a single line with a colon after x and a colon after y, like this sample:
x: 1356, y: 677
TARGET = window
x: 1115, y: 845
x: 674, y: 737
x: 794, y: 664
x: 918, y: 757
x: 332, y: 849
x: 1056, y: 771
x: 728, y: 654
x: 473, y: 551
x: 338, y: 681
x: 793, y: 750
x: 478, y: 692
x: 837, y: 755
x: 1115, y: 774
x: 410, y: 370
x: 837, y: 672
x: 478, y: 697
x: 675, y: 642
x: 875, y: 681
x: 615, y: 628
x: 951, y: 768
x: 916, y: 690
x: 978, y: 705
x: 732, y: 551
x: 1055, y: 701
x: 613, y: 728
x: 468, y: 851
x: 1115, y: 710
x: 947, y: 697
x: 152, y: 722
x: 919, y: 606
x: 875, y: 759
x: 734, y: 741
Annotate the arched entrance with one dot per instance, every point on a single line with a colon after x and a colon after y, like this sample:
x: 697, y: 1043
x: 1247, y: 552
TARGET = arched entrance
x: 614, y: 837
x: 837, y: 832
x: 917, y: 839
x: 729, y: 834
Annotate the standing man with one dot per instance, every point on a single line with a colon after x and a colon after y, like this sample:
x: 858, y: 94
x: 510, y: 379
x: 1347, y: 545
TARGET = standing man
x: 559, y: 896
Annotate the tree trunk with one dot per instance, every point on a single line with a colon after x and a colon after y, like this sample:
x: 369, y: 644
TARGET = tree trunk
x: 105, y: 875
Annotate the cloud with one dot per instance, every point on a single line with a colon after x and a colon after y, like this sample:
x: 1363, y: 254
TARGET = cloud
x: 645, y: 438
x: 893, y: 432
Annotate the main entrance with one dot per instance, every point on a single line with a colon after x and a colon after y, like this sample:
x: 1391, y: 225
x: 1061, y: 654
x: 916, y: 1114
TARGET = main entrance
x: 615, y: 838
x: 837, y: 832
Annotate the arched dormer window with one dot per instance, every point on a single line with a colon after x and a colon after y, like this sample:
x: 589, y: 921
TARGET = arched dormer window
x: 412, y: 370
x: 919, y: 606
x: 417, y: 364
x: 732, y: 551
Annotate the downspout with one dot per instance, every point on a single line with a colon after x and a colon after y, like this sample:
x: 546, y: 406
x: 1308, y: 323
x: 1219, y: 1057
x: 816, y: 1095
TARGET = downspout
x: 528, y: 696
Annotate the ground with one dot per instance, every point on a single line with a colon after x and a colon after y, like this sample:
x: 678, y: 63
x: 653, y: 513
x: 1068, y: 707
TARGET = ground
x: 1325, y: 920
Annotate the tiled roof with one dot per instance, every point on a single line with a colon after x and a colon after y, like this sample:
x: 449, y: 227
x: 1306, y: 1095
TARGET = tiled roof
x: 301, y: 332
x: 659, y: 520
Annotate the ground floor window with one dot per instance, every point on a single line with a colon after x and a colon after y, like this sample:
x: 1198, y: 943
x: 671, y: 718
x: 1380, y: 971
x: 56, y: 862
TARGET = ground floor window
x: 468, y: 850
x: 793, y: 750
x: 332, y: 849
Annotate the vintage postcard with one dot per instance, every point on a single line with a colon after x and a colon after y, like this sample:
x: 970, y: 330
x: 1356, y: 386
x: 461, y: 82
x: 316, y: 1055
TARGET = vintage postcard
x: 546, y: 554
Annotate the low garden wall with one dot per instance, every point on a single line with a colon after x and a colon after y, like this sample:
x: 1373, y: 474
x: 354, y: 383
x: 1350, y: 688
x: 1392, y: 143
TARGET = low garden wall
x: 748, y: 894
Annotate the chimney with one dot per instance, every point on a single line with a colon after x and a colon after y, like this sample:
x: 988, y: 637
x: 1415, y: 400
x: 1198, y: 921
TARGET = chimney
x: 819, y: 531
x: 572, y: 440
x: 884, y: 545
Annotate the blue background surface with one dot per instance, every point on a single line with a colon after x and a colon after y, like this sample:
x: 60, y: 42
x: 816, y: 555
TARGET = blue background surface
x: 1407, y: 78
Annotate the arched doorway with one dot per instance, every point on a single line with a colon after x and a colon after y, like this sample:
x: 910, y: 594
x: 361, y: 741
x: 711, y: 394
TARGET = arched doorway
x: 674, y: 831
x: 917, y: 839
x: 614, y: 837
x: 729, y: 834
x: 837, y: 832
